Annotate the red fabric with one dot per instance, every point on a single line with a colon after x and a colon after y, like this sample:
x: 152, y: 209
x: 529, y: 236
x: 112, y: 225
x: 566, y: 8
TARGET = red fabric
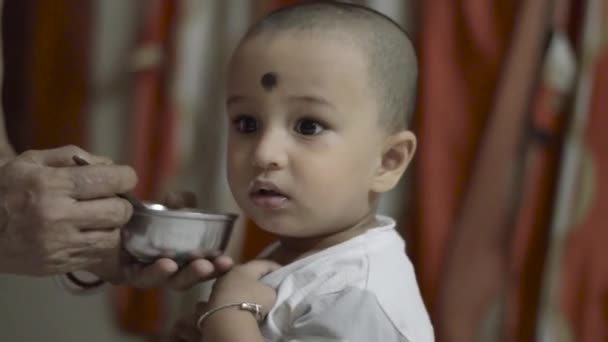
x: 584, y: 292
x: 475, y: 275
x: 532, y: 228
x: 154, y: 120
x: 153, y: 157
x: 551, y: 112
x: 470, y: 135
x: 462, y: 45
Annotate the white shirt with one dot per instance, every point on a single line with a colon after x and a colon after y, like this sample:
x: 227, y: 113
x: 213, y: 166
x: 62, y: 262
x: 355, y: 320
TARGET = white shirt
x: 363, y: 289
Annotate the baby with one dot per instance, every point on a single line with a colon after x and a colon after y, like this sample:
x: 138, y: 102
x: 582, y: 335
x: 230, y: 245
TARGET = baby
x: 318, y: 97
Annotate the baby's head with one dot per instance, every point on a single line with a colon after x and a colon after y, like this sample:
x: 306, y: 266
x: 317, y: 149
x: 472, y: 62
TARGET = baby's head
x: 319, y: 96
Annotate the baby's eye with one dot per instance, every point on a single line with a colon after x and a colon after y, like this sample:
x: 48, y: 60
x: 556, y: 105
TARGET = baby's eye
x: 245, y: 124
x: 309, y: 127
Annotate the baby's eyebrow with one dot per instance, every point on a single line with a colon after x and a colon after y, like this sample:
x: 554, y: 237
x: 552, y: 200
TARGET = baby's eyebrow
x: 312, y: 100
x: 235, y: 99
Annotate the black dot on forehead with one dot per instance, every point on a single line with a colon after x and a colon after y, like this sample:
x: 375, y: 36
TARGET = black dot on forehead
x: 269, y: 80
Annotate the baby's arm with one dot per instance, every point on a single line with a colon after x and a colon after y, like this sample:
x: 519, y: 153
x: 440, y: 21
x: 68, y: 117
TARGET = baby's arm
x: 221, y: 326
x: 225, y: 320
x: 216, y: 328
x: 231, y: 324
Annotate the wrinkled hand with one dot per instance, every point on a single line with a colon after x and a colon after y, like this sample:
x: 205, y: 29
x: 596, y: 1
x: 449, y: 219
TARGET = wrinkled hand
x: 120, y: 268
x: 163, y: 272
x: 55, y: 217
x: 242, y: 284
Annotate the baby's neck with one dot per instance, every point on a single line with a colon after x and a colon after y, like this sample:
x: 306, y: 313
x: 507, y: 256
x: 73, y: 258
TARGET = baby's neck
x: 292, y: 249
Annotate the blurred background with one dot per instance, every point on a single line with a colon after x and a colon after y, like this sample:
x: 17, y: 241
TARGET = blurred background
x: 504, y: 209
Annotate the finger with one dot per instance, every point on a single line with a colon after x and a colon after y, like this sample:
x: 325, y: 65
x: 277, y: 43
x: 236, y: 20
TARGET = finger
x: 56, y: 157
x: 196, y: 271
x: 180, y: 199
x: 223, y: 264
x: 62, y: 156
x: 154, y: 275
x: 259, y: 268
x: 100, y: 240
x: 96, y: 251
x: 91, y: 160
x: 99, y: 213
x: 96, y: 181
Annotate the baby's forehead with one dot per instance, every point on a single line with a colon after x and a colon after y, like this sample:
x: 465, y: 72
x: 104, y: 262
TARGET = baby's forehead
x: 337, y: 38
x: 293, y: 63
x: 295, y: 50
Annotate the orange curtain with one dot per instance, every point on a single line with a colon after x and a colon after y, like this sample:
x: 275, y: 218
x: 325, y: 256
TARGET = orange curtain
x: 531, y: 229
x: 139, y: 311
x: 551, y: 112
x: 475, y: 272
x: 487, y: 170
x: 484, y: 183
x: 462, y: 46
x: 585, y: 276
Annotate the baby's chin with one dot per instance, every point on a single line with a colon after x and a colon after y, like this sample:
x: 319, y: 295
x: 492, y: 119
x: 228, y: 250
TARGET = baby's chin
x: 272, y: 226
x: 281, y: 227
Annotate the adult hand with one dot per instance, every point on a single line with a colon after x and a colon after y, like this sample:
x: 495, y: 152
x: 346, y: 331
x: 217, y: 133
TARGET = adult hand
x: 163, y: 272
x: 57, y: 217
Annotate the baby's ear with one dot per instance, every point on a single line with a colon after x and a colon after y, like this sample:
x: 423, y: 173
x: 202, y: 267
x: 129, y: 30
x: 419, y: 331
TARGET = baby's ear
x: 397, y: 153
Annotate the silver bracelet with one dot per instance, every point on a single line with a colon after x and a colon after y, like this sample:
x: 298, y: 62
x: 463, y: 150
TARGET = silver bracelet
x: 255, y: 309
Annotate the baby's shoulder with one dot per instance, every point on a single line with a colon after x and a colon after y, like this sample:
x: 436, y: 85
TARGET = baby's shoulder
x: 330, y: 275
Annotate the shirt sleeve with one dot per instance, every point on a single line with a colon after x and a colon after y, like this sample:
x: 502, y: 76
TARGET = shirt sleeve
x: 350, y: 315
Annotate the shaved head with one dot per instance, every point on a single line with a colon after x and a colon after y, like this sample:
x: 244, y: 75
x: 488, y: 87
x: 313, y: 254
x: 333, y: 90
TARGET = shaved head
x: 389, y: 52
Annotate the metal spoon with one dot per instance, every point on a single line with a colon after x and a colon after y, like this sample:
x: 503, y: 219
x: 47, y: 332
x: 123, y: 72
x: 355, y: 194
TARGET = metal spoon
x: 135, y: 202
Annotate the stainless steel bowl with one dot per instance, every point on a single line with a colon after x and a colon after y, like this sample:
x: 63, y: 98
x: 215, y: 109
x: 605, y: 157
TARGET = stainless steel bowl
x: 182, y: 235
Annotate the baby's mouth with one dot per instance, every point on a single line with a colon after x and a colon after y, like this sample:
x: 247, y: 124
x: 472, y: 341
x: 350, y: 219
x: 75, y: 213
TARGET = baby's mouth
x: 268, y: 196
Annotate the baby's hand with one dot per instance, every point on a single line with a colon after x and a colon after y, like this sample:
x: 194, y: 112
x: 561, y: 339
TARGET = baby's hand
x: 242, y: 284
